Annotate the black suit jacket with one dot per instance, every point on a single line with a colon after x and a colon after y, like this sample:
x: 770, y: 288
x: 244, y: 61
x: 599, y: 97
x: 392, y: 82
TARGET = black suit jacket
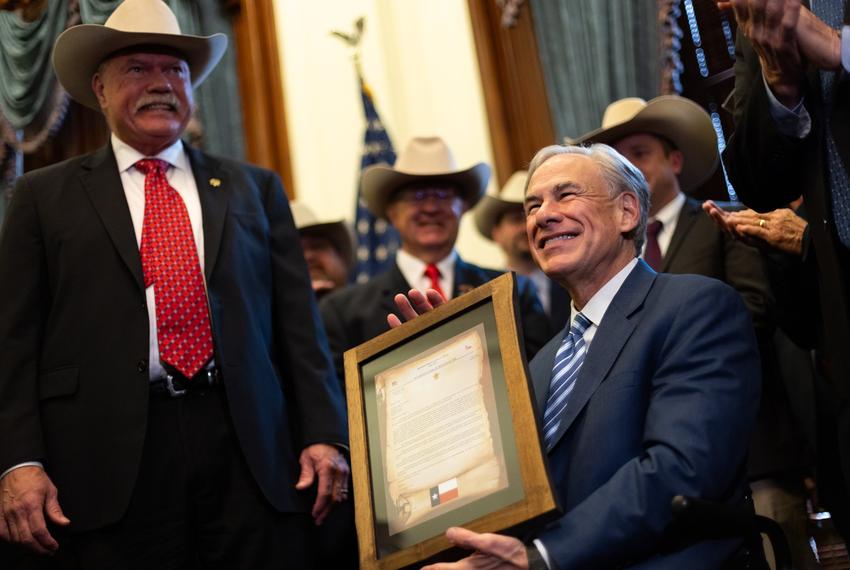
x: 769, y: 170
x: 700, y: 247
x: 359, y: 312
x: 74, y: 331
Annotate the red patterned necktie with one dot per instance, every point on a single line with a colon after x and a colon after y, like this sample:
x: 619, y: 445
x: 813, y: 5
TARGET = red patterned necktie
x: 170, y: 264
x: 432, y: 273
x: 652, y: 253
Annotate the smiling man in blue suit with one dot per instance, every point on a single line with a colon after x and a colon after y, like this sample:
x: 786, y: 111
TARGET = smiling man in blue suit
x: 650, y: 391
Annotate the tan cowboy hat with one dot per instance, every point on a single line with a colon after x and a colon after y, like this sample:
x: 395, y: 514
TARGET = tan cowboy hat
x: 336, y: 231
x: 80, y: 49
x: 425, y: 158
x: 490, y: 208
x: 680, y: 120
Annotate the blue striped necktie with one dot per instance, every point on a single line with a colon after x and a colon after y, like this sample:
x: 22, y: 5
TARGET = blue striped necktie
x: 568, y: 361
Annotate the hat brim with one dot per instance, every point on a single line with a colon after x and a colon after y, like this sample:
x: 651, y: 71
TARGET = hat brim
x: 338, y: 234
x: 79, y: 50
x: 380, y: 181
x: 488, y: 211
x: 681, y: 121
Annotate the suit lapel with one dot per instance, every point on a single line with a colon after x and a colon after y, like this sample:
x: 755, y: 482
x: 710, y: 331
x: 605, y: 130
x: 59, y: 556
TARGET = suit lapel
x: 687, y: 218
x: 391, y: 282
x: 467, y: 278
x: 613, y: 332
x: 102, y: 181
x: 214, y: 189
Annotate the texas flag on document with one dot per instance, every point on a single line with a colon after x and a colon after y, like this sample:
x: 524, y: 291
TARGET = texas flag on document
x: 444, y: 492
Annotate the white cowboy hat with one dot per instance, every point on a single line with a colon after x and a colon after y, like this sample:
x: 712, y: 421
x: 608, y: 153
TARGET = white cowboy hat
x: 490, y: 208
x: 80, y: 49
x: 336, y: 231
x: 425, y: 158
x: 680, y: 120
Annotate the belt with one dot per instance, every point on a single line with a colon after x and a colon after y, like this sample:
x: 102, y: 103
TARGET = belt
x: 175, y: 385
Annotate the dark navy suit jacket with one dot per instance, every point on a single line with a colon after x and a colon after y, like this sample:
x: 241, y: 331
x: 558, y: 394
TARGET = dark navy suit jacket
x: 663, y: 405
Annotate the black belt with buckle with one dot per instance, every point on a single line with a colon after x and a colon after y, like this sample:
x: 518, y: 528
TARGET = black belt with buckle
x: 175, y: 385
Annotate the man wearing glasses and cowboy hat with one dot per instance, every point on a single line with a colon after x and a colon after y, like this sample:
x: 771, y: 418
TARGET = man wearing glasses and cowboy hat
x: 423, y: 196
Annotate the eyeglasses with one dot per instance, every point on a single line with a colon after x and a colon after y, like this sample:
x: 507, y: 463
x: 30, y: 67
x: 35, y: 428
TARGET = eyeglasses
x: 420, y: 195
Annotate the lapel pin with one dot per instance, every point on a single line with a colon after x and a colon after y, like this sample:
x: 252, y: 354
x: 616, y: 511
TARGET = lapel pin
x: 215, y: 182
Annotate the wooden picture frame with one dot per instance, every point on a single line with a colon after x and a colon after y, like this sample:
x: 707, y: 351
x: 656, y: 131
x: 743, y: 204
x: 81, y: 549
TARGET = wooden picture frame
x: 443, y: 431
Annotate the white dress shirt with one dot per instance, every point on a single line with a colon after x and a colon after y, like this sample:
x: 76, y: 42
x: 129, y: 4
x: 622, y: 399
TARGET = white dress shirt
x: 413, y: 270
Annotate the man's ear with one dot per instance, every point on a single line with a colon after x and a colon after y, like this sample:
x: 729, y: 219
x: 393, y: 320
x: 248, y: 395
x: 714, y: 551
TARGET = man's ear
x: 677, y: 160
x: 629, y: 210
x: 98, y: 88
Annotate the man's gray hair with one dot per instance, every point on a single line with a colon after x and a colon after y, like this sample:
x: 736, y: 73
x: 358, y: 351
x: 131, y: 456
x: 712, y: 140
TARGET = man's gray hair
x: 621, y: 175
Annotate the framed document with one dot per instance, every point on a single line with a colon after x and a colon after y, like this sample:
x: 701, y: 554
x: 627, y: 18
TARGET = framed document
x: 443, y: 430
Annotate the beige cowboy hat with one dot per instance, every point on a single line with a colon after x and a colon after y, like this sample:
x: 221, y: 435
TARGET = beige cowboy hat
x: 424, y: 158
x: 80, y: 49
x: 490, y: 208
x: 680, y: 120
x: 336, y: 231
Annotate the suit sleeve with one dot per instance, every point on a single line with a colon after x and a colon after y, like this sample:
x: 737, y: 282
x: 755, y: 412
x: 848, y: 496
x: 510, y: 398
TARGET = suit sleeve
x: 299, y: 334
x: 337, y: 331
x: 702, y: 401
x: 745, y: 271
x: 535, y: 325
x: 762, y: 164
x: 24, y: 306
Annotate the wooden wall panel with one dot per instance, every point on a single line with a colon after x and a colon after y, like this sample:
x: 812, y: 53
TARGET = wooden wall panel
x: 514, y: 89
x: 261, y: 88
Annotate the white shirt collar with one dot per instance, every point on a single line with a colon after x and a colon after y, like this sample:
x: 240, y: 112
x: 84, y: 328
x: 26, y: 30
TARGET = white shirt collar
x: 669, y: 213
x: 126, y: 156
x: 413, y: 269
x: 595, y: 309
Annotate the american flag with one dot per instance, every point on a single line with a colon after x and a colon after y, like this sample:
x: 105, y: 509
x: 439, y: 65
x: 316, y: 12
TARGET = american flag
x: 377, y: 240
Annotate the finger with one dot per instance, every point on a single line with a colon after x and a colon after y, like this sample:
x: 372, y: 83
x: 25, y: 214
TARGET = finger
x: 40, y: 535
x: 4, y: 530
x: 788, y: 17
x: 434, y: 298
x: 308, y: 473
x: 420, y: 300
x: 53, y: 510
x: 324, y: 494
x: 404, y: 307
x: 755, y: 232
x: 25, y: 536
x: 393, y: 321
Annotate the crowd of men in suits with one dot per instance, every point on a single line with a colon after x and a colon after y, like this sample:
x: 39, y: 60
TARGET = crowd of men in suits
x: 171, y: 397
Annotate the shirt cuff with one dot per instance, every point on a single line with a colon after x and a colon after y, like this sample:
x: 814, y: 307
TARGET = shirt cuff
x: 845, y: 48
x: 794, y: 122
x: 538, y: 544
x: 24, y: 464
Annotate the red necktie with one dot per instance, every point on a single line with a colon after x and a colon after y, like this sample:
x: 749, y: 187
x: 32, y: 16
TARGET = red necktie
x: 432, y: 273
x: 170, y: 263
x: 652, y: 253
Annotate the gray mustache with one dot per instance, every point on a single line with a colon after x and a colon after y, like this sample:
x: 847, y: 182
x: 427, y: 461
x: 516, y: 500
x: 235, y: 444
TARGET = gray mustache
x: 170, y: 100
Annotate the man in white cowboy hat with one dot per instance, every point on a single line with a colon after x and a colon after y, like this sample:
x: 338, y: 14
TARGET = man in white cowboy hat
x: 423, y: 196
x: 501, y: 218
x: 650, y: 392
x: 672, y: 141
x: 328, y: 249
x: 166, y: 396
